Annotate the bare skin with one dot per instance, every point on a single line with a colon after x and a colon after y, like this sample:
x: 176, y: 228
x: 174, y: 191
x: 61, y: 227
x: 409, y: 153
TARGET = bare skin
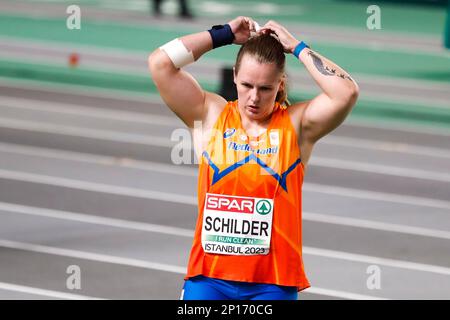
x: 257, y: 85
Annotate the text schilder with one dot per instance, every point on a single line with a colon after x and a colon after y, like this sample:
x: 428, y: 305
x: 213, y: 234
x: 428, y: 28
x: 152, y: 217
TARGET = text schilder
x: 237, y: 225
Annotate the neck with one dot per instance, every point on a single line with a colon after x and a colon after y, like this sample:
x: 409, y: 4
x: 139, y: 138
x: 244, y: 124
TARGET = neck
x: 250, y: 123
x: 252, y: 126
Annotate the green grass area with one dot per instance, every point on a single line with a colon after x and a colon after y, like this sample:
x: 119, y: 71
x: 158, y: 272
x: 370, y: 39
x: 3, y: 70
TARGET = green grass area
x: 96, y: 34
x: 367, y: 109
x: 395, y: 16
x: 411, y: 65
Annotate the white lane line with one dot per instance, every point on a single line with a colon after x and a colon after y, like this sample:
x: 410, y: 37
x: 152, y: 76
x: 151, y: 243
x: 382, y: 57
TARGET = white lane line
x: 100, y: 113
x: 377, y: 196
x: 68, y: 47
x: 192, y: 172
x: 89, y: 112
x: 301, y: 86
x: 388, y: 146
x: 151, y: 140
x: 376, y: 260
x: 192, y: 200
x: 380, y: 169
x: 92, y: 256
x: 93, y: 219
x: 125, y: 96
x: 396, y: 126
x: 141, y: 226
x: 142, y: 264
x: 98, y: 187
x: 175, y: 231
x: 97, y: 159
x: 375, y: 225
x: 78, y: 89
x: 106, y: 135
x: 44, y: 292
x: 339, y: 294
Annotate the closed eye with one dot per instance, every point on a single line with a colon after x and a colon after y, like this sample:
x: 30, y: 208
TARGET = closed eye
x: 248, y: 85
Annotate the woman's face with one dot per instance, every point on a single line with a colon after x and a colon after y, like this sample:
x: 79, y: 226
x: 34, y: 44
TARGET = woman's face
x: 257, y: 86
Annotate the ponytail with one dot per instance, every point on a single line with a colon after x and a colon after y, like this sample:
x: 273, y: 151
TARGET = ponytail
x: 281, y: 97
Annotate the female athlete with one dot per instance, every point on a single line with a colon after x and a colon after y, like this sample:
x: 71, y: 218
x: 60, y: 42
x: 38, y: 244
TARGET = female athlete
x: 253, y: 153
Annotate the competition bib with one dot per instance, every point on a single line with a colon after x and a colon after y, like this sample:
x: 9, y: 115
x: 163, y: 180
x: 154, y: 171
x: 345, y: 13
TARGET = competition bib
x: 237, y: 225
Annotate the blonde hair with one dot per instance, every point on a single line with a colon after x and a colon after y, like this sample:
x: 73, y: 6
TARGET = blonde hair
x: 265, y: 48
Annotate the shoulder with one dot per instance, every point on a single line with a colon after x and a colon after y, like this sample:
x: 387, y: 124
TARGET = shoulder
x: 296, y: 112
x: 214, y: 105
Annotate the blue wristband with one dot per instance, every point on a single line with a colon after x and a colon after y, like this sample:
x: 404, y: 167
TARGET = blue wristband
x: 299, y: 49
x: 221, y: 35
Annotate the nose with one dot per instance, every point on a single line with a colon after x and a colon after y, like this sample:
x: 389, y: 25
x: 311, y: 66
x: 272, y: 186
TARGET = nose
x: 254, y: 96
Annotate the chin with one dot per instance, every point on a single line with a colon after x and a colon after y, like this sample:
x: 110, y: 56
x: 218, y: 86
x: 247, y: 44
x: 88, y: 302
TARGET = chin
x: 253, y: 114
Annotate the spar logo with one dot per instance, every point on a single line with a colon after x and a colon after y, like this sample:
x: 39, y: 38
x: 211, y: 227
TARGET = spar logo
x: 230, y: 203
x: 263, y: 207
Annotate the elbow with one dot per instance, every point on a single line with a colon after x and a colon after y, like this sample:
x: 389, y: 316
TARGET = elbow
x: 154, y: 61
x: 157, y: 61
x: 353, y: 94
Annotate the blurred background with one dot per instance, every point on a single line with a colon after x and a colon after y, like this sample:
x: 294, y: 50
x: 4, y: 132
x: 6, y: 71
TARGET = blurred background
x: 92, y: 206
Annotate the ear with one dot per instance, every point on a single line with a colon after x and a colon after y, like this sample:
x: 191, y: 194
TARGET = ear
x: 283, y: 82
x: 234, y: 75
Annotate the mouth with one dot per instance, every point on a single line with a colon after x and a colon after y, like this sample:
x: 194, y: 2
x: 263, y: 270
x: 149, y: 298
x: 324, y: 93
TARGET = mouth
x: 253, y: 108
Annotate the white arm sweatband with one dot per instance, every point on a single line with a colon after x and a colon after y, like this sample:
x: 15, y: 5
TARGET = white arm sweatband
x: 178, y: 53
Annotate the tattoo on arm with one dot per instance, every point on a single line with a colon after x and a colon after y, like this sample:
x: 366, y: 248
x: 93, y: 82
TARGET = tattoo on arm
x: 325, y: 70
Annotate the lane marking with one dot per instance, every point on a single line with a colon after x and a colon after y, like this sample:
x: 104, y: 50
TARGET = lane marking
x: 394, y: 125
x: 376, y: 225
x: 388, y: 146
x: 143, y: 264
x: 375, y: 195
x: 182, y: 232
x: 125, y: 96
x: 106, y: 135
x: 339, y: 294
x: 78, y: 89
x: 319, y: 31
x: 141, y: 226
x: 98, y: 220
x: 92, y: 256
x: 97, y: 159
x: 151, y: 140
x: 380, y: 169
x: 98, y: 187
x: 376, y: 260
x: 119, y: 115
x: 369, y: 95
x: 89, y: 112
x: 45, y: 292
x: 192, y: 200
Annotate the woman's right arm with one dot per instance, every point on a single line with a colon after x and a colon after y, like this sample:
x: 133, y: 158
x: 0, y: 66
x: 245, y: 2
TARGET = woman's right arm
x: 179, y: 90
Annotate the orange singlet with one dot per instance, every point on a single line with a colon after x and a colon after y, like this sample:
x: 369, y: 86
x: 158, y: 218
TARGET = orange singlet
x: 249, y: 225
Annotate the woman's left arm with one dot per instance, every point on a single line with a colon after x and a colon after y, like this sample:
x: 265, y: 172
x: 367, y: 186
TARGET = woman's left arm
x: 329, y: 109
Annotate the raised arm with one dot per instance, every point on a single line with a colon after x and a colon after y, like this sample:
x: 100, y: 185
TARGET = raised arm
x: 179, y: 90
x: 329, y: 109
